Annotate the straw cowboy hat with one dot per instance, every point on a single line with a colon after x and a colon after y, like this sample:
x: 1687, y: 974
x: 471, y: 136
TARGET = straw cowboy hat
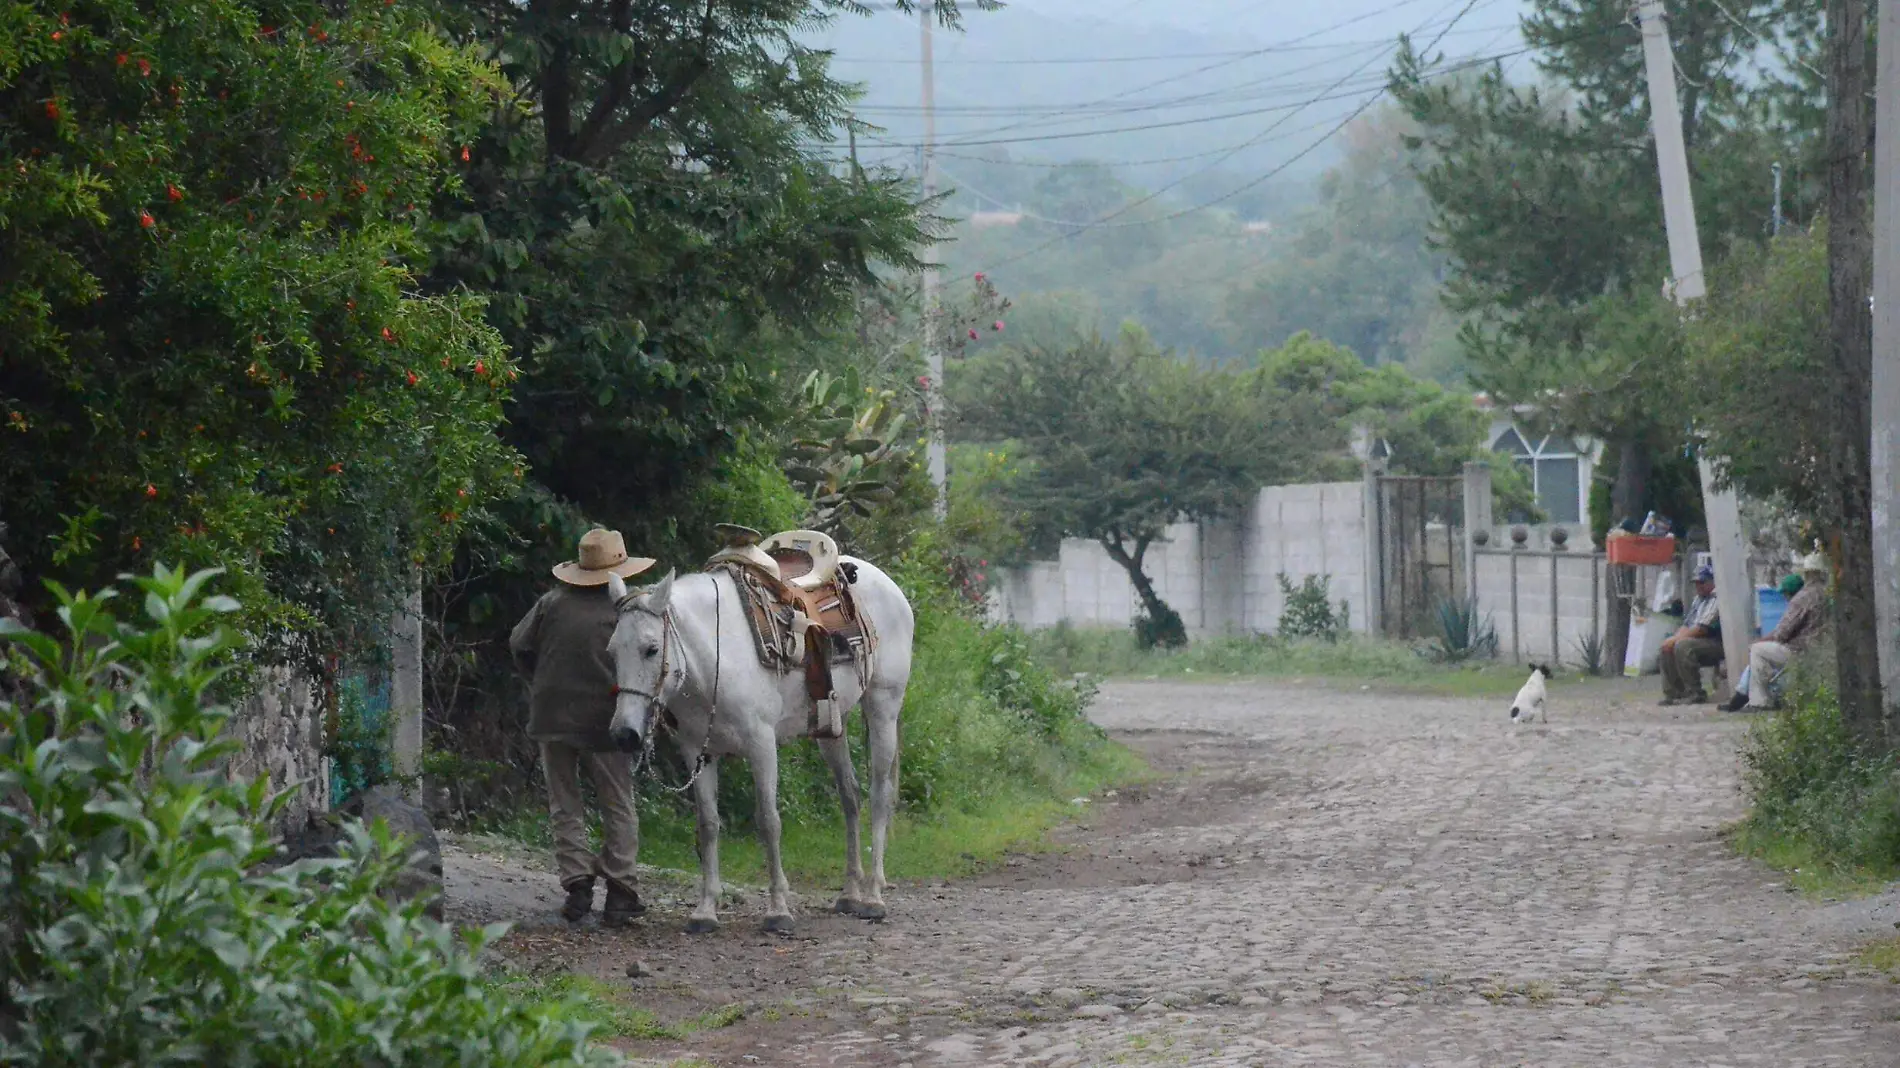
x: 603, y: 553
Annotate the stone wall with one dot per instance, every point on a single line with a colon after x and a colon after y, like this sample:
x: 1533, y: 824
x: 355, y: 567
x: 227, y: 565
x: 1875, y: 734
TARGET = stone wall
x: 280, y: 729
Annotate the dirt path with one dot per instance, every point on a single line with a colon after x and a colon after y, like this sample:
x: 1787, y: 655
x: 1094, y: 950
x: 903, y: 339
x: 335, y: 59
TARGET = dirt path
x: 1329, y: 878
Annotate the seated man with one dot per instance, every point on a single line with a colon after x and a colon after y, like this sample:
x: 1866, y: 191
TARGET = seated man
x: 1696, y: 645
x: 1798, y: 628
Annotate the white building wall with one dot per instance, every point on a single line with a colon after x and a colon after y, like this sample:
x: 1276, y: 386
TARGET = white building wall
x: 1220, y: 577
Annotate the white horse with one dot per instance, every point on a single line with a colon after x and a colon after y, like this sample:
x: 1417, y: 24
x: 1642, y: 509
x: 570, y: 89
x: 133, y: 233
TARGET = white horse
x: 684, y: 646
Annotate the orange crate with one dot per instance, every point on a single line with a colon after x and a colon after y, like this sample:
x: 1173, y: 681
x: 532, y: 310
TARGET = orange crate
x: 1637, y: 550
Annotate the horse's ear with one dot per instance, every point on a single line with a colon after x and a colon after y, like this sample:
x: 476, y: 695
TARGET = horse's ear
x: 660, y: 594
x: 616, y: 589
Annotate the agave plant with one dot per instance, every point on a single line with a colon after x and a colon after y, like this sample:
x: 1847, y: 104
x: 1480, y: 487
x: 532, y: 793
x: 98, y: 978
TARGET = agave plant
x: 1464, y: 632
x: 849, y: 450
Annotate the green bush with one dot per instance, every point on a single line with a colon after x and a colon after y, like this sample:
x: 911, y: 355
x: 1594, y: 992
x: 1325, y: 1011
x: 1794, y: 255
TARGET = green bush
x: 1812, y: 793
x: 145, y: 925
x: 1307, y: 611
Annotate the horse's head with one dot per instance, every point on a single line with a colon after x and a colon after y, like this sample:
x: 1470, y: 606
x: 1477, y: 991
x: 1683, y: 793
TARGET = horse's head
x: 647, y: 659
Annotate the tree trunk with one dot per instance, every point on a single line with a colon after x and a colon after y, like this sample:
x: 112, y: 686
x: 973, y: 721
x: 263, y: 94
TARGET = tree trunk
x: 1626, y: 499
x: 1164, y: 624
x: 1850, y: 319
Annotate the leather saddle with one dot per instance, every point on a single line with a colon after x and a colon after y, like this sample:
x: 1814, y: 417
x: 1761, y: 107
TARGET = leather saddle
x: 803, y: 618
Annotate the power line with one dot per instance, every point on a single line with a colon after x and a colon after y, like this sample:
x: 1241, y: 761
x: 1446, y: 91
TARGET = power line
x: 1238, y: 53
x: 1244, y: 187
x: 1219, y: 63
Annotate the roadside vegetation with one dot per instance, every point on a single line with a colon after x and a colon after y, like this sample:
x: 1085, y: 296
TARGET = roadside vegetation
x: 1820, y: 807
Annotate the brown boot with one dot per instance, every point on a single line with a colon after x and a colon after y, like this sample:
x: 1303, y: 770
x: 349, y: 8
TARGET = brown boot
x: 580, y: 899
x: 623, y: 906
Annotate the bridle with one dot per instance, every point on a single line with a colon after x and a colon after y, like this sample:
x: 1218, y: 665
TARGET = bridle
x: 669, y: 635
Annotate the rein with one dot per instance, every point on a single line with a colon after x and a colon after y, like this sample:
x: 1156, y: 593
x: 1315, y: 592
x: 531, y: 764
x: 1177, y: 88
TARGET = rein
x: 670, y: 629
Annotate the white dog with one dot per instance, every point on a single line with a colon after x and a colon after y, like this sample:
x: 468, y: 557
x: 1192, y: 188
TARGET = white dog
x: 1530, y: 697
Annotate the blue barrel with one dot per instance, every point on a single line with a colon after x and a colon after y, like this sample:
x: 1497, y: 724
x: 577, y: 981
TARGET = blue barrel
x: 1770, y: 603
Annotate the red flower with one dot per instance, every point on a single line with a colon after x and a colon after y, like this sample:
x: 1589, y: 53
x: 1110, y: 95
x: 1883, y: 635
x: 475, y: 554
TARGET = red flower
x: 151, y: 492
x: 979, y: 276
x: 481, y: 368
x: 52, y: 110
x: 997, y: 326
x: 388, y: 334
x: 464, y: 153
x: 973, y: 333
x: 412, y: 378
x: 462, y: 493
x: 121, y: 58
x: 335, y: 469
x: 146, y: 220
x: 145, y: 67
x: 57, y: 35
x: 172, y: 194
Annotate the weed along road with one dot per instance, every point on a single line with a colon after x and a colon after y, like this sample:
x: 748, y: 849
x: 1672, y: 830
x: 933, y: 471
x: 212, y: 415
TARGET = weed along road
x: 1318, y: 877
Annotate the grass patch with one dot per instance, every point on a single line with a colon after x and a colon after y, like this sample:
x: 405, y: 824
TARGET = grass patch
x: 1882, y: 956
x: 1818, y: 807
x: 953, y: 840
x: 1387, y: 665
x: 608, y: 1006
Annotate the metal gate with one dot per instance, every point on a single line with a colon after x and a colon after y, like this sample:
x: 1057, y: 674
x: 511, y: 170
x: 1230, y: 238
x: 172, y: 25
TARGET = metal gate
x: 1421, y: 555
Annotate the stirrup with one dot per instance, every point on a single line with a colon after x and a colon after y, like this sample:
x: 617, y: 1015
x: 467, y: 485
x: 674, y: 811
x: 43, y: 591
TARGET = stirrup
x: 826, y: 722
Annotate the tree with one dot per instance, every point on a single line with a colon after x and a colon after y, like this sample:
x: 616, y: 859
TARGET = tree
x: 1548, y: 208
x: 213, y: 345
x: 1357, y: 268
x: 1118, y: 439
x: 1850, y: 256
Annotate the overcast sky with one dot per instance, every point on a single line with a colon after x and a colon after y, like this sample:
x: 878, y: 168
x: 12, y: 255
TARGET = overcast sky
x: 1130, y: 81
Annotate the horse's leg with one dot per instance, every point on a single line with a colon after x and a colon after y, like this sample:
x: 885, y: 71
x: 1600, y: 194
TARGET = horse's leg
x: 778, y: 912
x: 838, y: 754
x: 881, y: 709
x: 706, y: 805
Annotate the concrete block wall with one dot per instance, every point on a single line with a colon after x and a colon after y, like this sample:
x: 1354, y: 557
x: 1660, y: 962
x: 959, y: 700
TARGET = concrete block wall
x: 1220, y: 576
x: 1307, y: 530
x: 1573, y: 607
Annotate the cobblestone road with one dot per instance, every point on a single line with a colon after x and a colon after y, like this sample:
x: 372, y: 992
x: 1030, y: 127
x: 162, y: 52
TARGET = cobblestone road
x: 1361, y: 879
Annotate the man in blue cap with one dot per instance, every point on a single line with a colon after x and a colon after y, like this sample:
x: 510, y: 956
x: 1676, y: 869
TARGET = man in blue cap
x: 1696, y: 645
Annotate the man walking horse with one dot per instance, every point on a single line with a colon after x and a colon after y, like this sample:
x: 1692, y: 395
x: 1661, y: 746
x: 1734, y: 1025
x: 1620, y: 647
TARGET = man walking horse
x: 561, y: 645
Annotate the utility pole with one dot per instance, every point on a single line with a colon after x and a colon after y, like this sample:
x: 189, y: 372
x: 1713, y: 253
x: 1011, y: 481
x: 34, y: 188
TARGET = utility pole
x: 1886, y: 369
x: 933, y: 352
x: 1732, y: 587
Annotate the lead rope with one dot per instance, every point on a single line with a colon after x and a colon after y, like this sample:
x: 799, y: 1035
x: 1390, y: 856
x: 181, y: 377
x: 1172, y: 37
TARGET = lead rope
x: 701, y: 761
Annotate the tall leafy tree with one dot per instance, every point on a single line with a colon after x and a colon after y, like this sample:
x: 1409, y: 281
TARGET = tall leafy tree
x: 214, y: 347
x: 1116, y: 439
x: 1547, y: 205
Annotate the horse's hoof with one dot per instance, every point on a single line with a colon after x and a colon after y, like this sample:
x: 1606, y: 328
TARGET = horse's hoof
x: 779, y: 925
x: 872, y: 912
x: 701, y: 925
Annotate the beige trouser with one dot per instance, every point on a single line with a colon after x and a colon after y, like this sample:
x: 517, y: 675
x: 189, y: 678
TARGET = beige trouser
x: 1764, y: 660
x: 1682, y: 663
x: 612, y: 776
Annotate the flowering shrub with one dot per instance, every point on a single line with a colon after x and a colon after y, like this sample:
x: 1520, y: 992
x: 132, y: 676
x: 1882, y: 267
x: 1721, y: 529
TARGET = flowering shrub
x: 211, y: 221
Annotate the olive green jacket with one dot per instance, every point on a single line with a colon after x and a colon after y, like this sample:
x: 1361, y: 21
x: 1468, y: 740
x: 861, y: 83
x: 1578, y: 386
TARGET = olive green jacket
x: 561, y: 646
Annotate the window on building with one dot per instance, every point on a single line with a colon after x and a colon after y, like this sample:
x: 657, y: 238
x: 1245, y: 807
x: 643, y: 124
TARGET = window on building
x: 1556, y: 476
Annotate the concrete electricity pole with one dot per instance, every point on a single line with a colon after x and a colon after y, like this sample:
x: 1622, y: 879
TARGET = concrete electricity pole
x: 933, y: 353
x: 1732, y: 587
x: 1886, y: 369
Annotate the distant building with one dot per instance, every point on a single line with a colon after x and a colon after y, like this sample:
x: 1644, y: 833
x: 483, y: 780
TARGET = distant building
x: 984, y: 220
x: 1561, y: 467
x: 1257, y: 226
